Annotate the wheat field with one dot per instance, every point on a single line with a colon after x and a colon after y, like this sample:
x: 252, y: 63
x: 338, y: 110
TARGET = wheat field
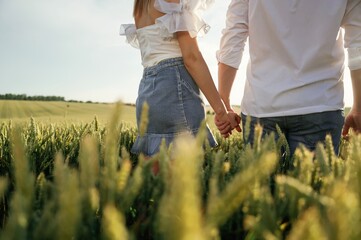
x: 61, y: 112
x: 79, y: 181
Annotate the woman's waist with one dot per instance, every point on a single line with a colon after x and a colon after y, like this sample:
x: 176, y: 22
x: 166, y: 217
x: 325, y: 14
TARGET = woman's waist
x: 164, y: 63
x: 152, y: 59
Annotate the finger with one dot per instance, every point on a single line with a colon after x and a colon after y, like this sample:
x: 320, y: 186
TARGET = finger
x: 239, y: 129
x: 224, y: 126
x: 234, y: 124
x: 219, y: 123
x: 235, y: 120
x: 226, y: 130
x: 345, y: 129
x: 239, y: 119
x: 346, y: 137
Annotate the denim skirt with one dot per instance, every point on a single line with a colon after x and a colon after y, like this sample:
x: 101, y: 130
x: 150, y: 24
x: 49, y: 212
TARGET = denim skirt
x: 175, y: 106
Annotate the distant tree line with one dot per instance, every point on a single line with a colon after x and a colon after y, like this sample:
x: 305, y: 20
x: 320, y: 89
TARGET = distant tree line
x: 10, y: 96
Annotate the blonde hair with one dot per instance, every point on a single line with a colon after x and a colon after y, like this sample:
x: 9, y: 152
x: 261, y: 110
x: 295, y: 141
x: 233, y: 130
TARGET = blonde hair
x: 140, y: 6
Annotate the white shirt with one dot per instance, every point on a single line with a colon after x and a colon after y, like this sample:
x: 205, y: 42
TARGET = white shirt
x: 154, y: 47
x: 296, y: 53
x: 158, y: 41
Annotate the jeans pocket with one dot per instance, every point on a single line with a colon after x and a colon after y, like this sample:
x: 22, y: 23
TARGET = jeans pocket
x: 186, y: 80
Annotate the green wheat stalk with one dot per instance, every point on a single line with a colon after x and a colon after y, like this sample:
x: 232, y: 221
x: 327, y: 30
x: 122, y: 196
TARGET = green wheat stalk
x: 23, y: 196
x: 179, y: 213
x: 68, y: 200
x: 113, y: 224
x: 220, y: 208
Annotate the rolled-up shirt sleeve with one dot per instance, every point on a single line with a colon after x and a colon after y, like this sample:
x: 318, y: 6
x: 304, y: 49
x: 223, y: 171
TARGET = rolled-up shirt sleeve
x: 352, y: 25
x: 235, y: 34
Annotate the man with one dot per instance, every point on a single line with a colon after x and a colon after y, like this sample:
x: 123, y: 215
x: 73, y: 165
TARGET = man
x: 295, y: 73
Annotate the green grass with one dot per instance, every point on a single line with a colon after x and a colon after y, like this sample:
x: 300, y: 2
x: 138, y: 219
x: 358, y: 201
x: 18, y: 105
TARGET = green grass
x: 68, y: 112
x: 61, y: 112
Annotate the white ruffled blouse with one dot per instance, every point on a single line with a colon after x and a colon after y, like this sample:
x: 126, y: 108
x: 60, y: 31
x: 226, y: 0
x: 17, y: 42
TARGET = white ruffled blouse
x: 158, y: 42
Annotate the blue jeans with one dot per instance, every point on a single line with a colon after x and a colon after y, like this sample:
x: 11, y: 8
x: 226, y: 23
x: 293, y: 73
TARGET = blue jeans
x: 175, y: 106
x: 307, y: 129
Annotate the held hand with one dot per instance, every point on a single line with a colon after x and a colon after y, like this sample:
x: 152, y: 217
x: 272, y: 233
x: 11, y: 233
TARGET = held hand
x: 352, y: 120
x: 227, y: 122
x: 223, y: 124
x: 235, y: 121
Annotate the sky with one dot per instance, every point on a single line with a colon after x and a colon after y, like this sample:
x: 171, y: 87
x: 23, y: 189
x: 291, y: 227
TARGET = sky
x: 72, y: 48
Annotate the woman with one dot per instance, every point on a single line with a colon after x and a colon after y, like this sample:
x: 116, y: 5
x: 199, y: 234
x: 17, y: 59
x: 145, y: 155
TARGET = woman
x: 165, y: 31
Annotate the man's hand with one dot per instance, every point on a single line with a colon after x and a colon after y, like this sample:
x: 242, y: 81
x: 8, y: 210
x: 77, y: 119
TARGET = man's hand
x: 352, y: 120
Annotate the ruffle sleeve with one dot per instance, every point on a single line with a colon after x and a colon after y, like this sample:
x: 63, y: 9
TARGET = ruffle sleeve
x: 129, y: 31
x: 183, y: 16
